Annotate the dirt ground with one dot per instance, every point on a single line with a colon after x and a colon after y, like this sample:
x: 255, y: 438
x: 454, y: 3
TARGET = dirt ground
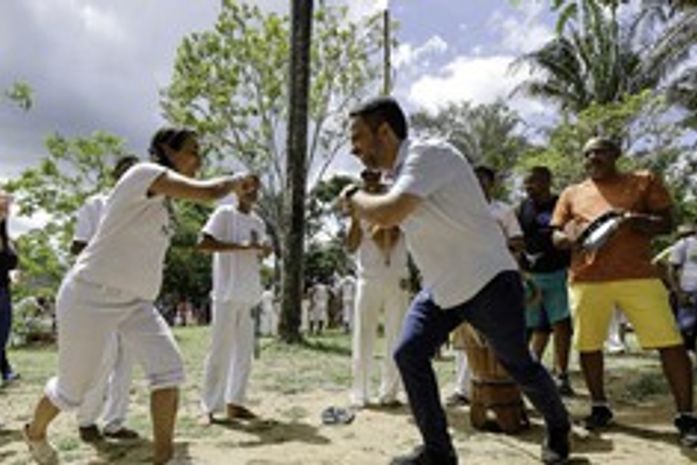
x: 289, y: 389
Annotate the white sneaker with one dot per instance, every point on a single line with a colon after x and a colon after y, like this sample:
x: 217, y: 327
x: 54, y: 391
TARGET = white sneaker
x: 41, y: 450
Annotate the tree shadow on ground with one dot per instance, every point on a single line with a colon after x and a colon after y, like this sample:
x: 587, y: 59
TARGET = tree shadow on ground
x: 137, y: 451
x: 268, y: 432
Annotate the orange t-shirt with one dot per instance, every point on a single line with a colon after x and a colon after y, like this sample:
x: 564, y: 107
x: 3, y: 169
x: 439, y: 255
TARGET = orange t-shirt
x: 627, y: 254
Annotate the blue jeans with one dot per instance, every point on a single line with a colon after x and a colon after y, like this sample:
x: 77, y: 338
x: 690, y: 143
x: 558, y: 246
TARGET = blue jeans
x: 5, y: 326
x: 497, y: 312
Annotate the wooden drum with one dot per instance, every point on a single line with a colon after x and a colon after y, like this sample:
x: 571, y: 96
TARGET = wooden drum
x: 494, y: 396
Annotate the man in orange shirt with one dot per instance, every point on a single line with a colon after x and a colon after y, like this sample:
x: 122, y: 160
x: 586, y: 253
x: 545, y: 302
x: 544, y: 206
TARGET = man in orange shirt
x: 620, y: 274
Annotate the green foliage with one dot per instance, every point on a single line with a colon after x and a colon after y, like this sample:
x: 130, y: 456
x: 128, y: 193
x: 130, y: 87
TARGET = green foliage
x: 230, y: 84
x: 486, y: 134
x: 187, y: 272
x: 73, y: 170
x: 598, y: 58
x: 21, y: 94
x: 650, y: 140
x: 323, y: 260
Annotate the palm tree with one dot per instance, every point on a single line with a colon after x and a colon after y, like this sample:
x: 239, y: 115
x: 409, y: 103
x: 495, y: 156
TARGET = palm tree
x: 294, y: 207
x: 595, y: 58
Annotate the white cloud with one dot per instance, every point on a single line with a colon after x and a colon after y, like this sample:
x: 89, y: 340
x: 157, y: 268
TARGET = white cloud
x: 472, y: 78
x: 479, y: 80
x: 524, y: 32
x: 362, y: 8
x: 408, y: 55
x: 101, y: 22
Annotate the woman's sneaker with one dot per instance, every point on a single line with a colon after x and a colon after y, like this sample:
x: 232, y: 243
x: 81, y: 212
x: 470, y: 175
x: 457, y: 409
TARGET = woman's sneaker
x: 41, y: 450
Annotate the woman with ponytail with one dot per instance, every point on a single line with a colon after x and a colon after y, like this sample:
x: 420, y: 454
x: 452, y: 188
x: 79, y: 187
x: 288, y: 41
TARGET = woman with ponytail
x: 114, y: 282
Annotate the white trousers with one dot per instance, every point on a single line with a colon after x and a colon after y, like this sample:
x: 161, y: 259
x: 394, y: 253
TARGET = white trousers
x: 463, y: 376
x: 372, y: 296
x: 108, y: 397
x: 347, y: 312
x: 319, y: 312
x: 88, y: 316
x: 229, y: 360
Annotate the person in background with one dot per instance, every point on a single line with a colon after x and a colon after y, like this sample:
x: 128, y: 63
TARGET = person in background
x: 236, y: 236
x: 8, y: 262
x: 547, y: 268
x: 505, y: 217
x: 683, y: 272
x: 108, y: 397
x: 381, y: 264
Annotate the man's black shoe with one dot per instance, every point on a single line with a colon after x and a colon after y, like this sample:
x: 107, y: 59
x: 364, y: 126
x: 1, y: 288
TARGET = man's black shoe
x: 555, y: 449
x: 422, y: 456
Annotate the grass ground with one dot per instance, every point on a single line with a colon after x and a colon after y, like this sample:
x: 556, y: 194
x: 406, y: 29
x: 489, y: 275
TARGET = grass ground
x: 291, y: 385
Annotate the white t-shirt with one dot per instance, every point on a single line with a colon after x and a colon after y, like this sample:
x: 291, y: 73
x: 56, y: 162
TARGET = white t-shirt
x: 267, y: 302
x: 452, y: 236
x: 236, y: 273
x: 88, y: 217
x: 505, y: 216
x: 348, y: 288
x: 128, y: 250
x: 684, y: 254
x: 320, y: 295
x: 372, y: 262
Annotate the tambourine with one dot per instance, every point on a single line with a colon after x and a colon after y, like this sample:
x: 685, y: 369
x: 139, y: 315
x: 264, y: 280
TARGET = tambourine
x: 598, y: 231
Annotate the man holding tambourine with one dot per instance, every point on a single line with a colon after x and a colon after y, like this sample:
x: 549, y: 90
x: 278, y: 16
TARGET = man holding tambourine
x: 608, y: 220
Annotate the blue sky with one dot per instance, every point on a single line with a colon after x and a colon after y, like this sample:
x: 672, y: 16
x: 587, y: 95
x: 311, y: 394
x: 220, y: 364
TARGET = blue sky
x: 98, y: 64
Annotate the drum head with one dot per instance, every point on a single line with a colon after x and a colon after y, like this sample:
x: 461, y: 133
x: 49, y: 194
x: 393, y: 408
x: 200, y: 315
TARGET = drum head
x: 596, y: 234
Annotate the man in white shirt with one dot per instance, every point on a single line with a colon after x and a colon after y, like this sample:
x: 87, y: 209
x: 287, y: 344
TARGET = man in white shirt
x: 319, y: 307
x: 269, y: 314
x: 236, y: 236
x: 468, y: 273
x: 381, y: 262
x: 108, y: 397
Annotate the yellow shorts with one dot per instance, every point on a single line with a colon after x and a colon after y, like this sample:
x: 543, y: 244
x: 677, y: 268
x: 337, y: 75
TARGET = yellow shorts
x: 643, y: 301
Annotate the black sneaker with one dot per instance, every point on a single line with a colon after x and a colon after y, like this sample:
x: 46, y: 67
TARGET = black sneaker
x: 421, y: 456
x: 564, y: 385
x: 687, y: 427
x: 457, y: 400
x: 90, y: 434
x: 600, y: 417
x: 555, y: 448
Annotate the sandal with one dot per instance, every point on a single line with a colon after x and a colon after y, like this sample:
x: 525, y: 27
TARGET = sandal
x: 41, y: 450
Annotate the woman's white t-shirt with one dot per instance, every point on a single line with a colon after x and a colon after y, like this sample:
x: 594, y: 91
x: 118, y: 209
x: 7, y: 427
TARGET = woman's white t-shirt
x: 128, y: 250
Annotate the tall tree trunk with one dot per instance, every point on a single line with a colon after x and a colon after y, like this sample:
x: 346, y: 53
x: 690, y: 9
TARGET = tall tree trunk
x: 294, y: 200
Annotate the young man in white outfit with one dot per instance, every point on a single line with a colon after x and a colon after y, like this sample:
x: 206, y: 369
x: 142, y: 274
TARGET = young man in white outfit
x: 237, y: 238
x: 319, y: 308
x: 468, y: 273
x: 505, y: 216
x: 347, y: 289
x: 381, y: 261
x: 108, y: 397
x: 269, y: 315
